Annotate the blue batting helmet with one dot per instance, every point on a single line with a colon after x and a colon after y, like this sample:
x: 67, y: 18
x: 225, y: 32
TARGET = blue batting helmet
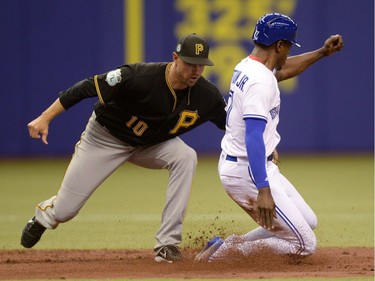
x: 274, y: 27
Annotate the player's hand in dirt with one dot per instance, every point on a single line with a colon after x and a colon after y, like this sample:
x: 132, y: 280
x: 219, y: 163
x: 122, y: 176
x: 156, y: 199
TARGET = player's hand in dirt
x: 266, y: 208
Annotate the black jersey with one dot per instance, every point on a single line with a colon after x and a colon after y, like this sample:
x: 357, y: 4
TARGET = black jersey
x: 138, y: 105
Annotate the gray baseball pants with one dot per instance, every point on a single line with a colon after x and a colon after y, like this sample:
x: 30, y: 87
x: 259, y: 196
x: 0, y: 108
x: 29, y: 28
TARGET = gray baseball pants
x: 98, y: 154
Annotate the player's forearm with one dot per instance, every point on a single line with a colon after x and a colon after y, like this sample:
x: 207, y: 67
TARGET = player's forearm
x: 256, y: 151
x: 51, y: 112
x: 297, y: 64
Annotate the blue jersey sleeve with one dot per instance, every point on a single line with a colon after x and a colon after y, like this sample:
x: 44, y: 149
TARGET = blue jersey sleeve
x: 256, y: 151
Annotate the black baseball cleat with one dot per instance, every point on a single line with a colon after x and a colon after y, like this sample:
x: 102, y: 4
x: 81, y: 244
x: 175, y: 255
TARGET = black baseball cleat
x: 167, y: 253
x: 31, y: 233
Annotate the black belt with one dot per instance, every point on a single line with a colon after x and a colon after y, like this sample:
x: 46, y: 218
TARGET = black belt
x: 234, y: 158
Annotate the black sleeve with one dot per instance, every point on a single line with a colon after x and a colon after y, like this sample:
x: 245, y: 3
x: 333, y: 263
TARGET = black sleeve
x: 220, y: 114
x: 79, y: 91
x: 114, y: 84
x: 104, y: 86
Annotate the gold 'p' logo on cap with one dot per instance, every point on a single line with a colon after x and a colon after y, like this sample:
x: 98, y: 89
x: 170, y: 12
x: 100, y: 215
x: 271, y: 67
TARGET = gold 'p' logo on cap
x: 198, y: 48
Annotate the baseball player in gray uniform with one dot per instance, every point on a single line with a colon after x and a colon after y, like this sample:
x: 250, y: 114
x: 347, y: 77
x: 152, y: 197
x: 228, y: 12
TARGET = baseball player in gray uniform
x: 141, y: 110
x: 248, y: 163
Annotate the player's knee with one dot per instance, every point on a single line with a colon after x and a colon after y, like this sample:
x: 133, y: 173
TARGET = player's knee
x: 185, y: 158
x: 311, y: 246
x: 313, y: 222
x: 308, y: 247
x: 190, y: 158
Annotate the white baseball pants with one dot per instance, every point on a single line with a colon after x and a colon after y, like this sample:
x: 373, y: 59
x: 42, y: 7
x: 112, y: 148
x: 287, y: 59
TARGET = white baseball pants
x: 293, y: 233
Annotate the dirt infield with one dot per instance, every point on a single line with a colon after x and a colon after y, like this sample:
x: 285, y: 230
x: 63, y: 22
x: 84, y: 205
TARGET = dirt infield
x: 100, y: 264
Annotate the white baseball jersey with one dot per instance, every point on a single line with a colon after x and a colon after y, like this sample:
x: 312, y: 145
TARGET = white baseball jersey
x: 254, y: 93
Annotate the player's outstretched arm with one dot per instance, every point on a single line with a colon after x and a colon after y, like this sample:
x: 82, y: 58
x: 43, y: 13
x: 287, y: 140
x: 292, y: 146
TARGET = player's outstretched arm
x: 38, y: 128
x: 297, y: 64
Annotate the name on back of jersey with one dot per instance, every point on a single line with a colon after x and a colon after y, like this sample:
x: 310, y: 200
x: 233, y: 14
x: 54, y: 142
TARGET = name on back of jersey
x: 239, y: 80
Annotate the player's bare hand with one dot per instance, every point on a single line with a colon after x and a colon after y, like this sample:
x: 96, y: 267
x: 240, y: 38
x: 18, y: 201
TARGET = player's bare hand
x: 266, y: 208
x: 38, y: 128
x: 333, y: 44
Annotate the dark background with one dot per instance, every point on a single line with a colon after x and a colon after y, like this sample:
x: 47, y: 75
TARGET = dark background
x: 47, y: 46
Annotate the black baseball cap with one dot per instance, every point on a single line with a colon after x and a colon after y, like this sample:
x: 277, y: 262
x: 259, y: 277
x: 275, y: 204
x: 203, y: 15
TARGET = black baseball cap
x: 194, y: 49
